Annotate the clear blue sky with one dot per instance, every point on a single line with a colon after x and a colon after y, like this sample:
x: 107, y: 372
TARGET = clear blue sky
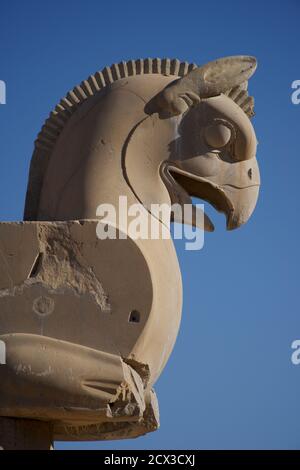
x: 230, y: 382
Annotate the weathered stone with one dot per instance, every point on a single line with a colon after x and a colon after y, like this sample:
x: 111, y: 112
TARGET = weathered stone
x: 89, y: 323
x: 25, y: 434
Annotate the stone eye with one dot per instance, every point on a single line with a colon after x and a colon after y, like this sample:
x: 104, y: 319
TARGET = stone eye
x: 217, y: 135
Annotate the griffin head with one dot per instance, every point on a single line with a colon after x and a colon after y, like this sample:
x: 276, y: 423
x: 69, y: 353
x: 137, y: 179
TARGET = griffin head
x: 213, y: 154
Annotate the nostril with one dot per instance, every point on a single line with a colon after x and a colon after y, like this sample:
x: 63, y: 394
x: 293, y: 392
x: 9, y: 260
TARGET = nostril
x: 250, y: 173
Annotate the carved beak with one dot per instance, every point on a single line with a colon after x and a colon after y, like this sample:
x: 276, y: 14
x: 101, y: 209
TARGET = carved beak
x: 237, y: 201
x: 243, y: 201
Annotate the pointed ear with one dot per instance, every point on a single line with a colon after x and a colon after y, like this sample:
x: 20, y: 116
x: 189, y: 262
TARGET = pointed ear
x: 211, y: 79
x: 222, y: 74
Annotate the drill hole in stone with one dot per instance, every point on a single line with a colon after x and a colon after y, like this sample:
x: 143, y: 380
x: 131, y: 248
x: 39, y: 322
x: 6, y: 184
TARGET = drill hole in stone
x: 134, y: 316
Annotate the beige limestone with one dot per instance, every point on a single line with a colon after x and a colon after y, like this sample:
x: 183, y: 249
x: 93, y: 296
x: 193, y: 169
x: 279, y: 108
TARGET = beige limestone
x: 89, y: 324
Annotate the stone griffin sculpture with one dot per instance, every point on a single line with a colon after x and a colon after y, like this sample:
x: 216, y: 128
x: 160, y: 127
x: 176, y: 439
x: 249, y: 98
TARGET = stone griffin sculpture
x: 89, y: 324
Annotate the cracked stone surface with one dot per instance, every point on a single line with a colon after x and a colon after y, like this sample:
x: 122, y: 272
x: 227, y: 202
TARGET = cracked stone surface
x: 65, y: 362
x: 90, y: 324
